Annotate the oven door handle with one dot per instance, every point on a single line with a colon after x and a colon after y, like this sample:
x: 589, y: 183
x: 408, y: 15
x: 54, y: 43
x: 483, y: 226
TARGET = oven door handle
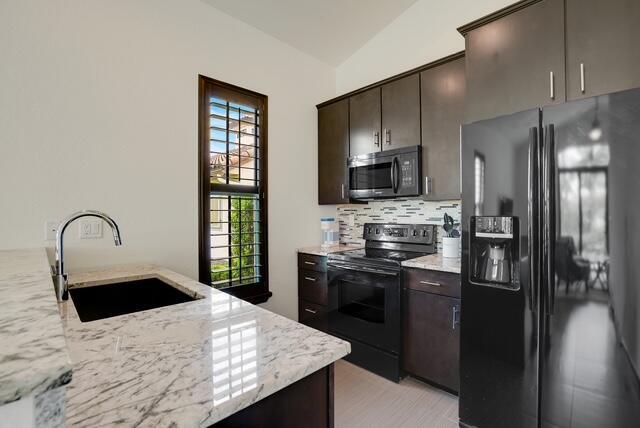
x: 394, y: 174
x: 363, y: 269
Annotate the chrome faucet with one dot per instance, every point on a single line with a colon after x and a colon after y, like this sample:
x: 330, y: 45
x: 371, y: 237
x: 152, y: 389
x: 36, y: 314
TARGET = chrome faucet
x: 59, y: 276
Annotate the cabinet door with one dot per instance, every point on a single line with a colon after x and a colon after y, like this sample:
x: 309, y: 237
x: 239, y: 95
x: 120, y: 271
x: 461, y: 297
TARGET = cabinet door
x: 312, y: 315
x: 333, y: 151
x: 401, y: 113
x: 443, y: 91
x: 510, y: 61
x: 603, y: 36
x: 432, y: 337
x: 364, y: 122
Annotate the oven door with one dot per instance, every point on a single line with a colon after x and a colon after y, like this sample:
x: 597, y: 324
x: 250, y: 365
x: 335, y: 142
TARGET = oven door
x: 364, y: 304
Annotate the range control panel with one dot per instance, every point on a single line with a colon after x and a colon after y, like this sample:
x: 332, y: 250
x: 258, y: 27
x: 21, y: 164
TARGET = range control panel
x: 413, y: 233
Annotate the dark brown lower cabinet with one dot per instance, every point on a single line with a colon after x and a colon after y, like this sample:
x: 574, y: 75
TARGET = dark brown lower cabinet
x: 312, y: 315
x: 312, y: 291
x: 432, y: 337
x: 308, y: 403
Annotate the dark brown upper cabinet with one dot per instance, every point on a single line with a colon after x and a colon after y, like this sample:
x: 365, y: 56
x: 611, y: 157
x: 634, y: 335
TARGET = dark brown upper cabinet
x: 401, y: 113
x: 443, y: 90
x: 602, y: 46
x: 364, y: 122
x: 515, y: 59
x: 333, y: 151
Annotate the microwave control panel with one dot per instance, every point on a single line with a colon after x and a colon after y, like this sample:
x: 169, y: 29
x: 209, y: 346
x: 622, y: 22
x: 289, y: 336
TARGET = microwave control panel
x: 406, y: 172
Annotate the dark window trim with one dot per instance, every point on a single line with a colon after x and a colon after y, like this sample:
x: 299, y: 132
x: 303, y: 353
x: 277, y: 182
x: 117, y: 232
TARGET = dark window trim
x: 254, y: 293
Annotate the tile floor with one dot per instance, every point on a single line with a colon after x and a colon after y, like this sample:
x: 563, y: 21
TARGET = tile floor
x: 363, y: 399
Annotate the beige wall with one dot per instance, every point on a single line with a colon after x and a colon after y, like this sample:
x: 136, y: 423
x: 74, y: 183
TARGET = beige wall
x: 423, y: 33
x: 98, y: 109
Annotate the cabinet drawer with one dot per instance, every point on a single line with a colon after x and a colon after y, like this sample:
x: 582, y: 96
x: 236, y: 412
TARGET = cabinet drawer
x: 312, y: 315
x: 312, y: 262
x: 445, y: 283
x: 312, y: 286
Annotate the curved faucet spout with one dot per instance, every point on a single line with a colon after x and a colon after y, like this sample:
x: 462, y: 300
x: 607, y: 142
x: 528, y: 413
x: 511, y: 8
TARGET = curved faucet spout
x: 60, y: 277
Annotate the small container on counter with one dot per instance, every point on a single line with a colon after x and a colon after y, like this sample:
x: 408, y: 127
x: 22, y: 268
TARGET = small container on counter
x: 330, y: 232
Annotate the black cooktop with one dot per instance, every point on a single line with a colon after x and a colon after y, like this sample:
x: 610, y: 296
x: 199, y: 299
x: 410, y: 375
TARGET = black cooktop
x: 377, y: 256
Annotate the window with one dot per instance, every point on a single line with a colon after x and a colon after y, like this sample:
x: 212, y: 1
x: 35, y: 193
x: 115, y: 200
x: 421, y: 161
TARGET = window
x: 478, y: 167
x: 233, y: 190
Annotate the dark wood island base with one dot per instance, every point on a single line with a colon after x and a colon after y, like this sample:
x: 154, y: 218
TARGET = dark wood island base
x: 307, y: 402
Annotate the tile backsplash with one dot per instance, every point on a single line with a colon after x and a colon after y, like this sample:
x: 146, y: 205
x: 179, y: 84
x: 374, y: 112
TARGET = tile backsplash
x: 412, y: 211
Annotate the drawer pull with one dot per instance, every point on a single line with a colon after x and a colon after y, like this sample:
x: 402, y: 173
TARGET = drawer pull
x: 310, y: 311
x: 433, y: 284
x: 455, y: 320
x: 308, y: 278
x: 310, y: 263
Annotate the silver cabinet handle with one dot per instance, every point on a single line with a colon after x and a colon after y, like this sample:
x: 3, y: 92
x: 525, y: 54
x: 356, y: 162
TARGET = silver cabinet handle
x: 342, y: 190
x: 310, y: 310
x: 376, y: 138
x: 427, y: 185
x: 454, y: 317
x: 308, y: 278
x: 433, y: 284
x: 582, y: 89
x: 387, y: 136
x: 552, y: 89
x: 310, y: 263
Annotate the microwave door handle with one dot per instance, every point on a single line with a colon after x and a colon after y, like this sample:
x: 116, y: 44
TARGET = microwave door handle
x: 394, y: 174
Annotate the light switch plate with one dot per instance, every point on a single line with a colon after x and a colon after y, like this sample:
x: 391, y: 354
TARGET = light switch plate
x: 90, y: 228
x: 50, y: 229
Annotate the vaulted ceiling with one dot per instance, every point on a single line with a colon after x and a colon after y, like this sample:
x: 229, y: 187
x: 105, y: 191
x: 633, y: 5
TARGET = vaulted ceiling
x: 329, y: 30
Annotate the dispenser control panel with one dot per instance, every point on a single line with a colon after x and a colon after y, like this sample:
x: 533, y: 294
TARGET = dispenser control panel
x: 494, y: 227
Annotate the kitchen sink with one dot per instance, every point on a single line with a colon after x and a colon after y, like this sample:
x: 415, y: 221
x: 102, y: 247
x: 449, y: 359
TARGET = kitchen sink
x: 110, y: 300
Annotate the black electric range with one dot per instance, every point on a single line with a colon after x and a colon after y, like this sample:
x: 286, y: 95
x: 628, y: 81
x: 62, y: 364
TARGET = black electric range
x: 365, y: 293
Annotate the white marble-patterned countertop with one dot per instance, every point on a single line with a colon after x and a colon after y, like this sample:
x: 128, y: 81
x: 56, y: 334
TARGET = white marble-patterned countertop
x: 33, y: 352
x: 325, y: 251
x: 190, y: 364
x: 435, y: 262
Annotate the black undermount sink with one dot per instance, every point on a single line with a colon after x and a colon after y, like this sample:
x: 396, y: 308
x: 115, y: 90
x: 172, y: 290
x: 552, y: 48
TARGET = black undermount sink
x: 110, y: 300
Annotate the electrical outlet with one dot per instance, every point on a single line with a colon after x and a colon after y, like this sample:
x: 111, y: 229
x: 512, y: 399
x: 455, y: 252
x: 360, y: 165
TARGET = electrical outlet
x: 50, y: 229
x: 90, y: 229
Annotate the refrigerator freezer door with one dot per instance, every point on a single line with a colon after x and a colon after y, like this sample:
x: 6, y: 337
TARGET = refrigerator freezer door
x: 591, y: 296
x: 499, y: 325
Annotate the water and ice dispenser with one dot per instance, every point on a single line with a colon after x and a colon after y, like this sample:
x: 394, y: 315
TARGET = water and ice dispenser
x: 494, y: 251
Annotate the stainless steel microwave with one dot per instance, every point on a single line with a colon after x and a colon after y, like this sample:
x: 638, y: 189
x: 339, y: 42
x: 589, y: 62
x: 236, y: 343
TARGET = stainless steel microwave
x: 386, y: 174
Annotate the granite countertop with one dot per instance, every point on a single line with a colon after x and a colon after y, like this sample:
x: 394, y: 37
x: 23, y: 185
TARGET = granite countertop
x: 33, y: 352
x: 190, y: 364
x: 325, y: 251
x: 434, y: 262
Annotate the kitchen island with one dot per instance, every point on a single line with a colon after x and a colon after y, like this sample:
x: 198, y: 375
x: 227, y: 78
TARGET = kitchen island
x: 216, y: 360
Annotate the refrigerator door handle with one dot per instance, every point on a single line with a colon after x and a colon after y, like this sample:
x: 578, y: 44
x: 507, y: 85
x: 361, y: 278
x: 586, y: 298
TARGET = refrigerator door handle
x: 549, y: 166
x: 533, y: 214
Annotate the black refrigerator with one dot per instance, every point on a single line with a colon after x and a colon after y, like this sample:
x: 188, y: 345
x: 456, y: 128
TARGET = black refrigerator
x: 550, y: 331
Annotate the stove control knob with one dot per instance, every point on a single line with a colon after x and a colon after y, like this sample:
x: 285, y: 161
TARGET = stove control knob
x: 415, y: 232
x: 424, y: 233
x: 377, y: 231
